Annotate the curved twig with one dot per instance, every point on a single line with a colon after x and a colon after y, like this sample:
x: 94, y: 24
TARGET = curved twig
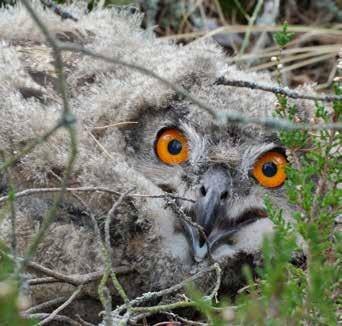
x: 29, y: 192
x: 224, y: 116
x: 62, y: 306
x: 276, y: 90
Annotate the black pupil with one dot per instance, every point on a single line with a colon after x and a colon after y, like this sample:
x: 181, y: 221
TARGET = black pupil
x: 174, y: 147
x: 269, y: 169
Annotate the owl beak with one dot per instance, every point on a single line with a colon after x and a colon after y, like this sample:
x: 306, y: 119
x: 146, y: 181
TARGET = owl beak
x: 216, y: 187
x: 207, y: 209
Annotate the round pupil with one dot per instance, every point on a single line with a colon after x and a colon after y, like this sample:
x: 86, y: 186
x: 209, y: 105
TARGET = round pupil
x: 174, y: 147
x: 269, y: 169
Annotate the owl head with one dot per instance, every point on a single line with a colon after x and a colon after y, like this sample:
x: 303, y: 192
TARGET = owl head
x: 224, y: 170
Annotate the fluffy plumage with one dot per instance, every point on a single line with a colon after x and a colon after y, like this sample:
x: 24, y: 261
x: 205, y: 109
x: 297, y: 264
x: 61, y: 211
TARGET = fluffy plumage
x: 145, y: 233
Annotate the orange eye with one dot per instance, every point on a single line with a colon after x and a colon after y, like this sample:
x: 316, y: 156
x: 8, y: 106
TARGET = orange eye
x: 172, y: 146
x: 269, y: 170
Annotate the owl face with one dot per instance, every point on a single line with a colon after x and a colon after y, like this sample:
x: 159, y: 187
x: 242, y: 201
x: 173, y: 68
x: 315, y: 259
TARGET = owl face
x: 224, y: 169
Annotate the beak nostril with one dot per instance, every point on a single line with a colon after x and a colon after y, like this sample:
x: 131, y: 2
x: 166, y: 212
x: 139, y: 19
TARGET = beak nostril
x: 203, y: 191
x: 224, y: 195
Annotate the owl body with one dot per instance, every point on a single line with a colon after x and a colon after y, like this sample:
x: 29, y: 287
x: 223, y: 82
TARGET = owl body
x: 120, y: 114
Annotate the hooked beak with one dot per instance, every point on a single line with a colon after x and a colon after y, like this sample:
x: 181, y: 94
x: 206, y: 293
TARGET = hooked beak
x: 215, y: 189
x: 210, y: 213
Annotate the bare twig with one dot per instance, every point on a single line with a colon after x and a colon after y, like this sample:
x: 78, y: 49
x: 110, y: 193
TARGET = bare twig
x: 43, y: 280
x: 183, y: 304
x: 60, y: 318
x: 225, y: 116
x: 134, y: 320
x: 108, y: 308
x: 216, y: 288
x: 110, y: 217
x: 154, y: 295
x: 67, y: 121
x: 165, y: 307
x: 13, y: 219
x: 74, y: 279
x: 109, y: 250
x: 45, y: 305
x: 185, y: 218
x: 117, y: 124
x: 251, y: 21
x: 276, y: 90
x: 184, y: 320
x: 61, y: 307
x: 29, y: 192
x: 83, y: 322
x: 107, y: 260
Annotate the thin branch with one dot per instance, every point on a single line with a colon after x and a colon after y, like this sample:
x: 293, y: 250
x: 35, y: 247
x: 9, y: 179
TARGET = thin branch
x: 251, y: 21
x: 59, y: 66
x: 183, y: 304
x: 60, y: 318
x: 45, y: 305
x: 73, y: 279
x: 109, y: 250
x: 42, y: 280
x: 185, y: 218
x: 83, y: 322
x: 117, y: 124
x: 184, y: 320
x: 217, y: 286
x: 165, y: 307
x: 67, y: 121
x: 154, y: 295
x: 225, y: 116
x: 61, y: 307
x: 13, y: 219
x: 108, y: 319
x: 29, y: 192
x: 108, y: 271
x: 277, y: 90
x: 110, y: 217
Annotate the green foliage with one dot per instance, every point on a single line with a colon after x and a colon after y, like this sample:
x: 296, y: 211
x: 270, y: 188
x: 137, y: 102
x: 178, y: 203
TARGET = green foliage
x: 308, y: 292
x: 205, y: 306
x: 283, y: 37
x: 9, y: 294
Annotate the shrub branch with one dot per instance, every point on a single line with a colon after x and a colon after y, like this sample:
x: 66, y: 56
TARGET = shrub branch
x: 276, y: 90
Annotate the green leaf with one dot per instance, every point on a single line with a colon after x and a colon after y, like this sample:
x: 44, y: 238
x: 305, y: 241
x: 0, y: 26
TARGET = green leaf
x: 283, y: 37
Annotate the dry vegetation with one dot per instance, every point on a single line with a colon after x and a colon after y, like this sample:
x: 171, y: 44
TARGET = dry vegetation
x: 245, y: 29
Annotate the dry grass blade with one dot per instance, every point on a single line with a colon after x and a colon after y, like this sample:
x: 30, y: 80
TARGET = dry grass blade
x: 290, y: 59
x: 259, y: 28
x: 118, y: 124
x: 306, y: 62
x: 319, y: 49
x: 251, y: 22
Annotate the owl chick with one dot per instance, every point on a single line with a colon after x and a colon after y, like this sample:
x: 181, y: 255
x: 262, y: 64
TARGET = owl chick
x: 135, y: 132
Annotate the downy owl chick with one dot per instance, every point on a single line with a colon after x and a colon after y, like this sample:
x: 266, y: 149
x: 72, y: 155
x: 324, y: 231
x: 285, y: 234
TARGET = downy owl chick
x: 167, y: 144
